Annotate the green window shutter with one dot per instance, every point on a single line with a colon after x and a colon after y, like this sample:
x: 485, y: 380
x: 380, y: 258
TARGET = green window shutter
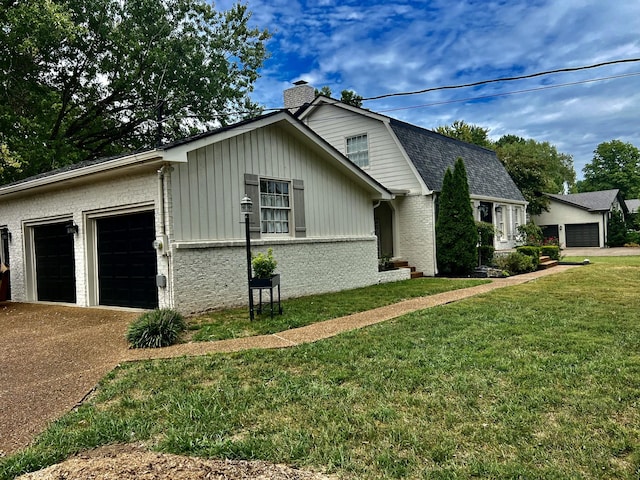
x: 252, y: 190
x: 298, y: 209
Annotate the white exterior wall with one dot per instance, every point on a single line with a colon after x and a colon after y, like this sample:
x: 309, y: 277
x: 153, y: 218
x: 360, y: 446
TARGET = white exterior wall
x: 208, y: 276
x: 506, y: 237
x: 77, y: 203
x: 415, y: 237
x: 562, y: 214
x: 386, y: 162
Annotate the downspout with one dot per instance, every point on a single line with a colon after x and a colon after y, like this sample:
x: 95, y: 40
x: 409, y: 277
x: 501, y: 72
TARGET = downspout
x: 161, y: 172
x: 164, y: 248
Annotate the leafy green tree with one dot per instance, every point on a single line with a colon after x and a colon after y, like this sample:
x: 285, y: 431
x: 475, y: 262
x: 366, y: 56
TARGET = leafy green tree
x: 615, y: 165
x: 467, y: 133
x: 536, y: 168
x: 346, y: 96
x: 83, y: 79
x: 456, y: 232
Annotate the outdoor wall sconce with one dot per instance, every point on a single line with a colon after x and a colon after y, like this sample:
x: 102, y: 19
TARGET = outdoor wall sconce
x: 72, y: 228
x: 498, y: 209
x: 5, y: 234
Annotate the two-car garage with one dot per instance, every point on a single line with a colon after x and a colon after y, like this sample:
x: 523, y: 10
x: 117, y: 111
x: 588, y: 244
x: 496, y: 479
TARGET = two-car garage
x: 125, y: 263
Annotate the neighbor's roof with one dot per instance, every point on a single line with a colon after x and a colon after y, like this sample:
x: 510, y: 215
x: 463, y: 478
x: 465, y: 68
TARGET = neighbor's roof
x: 633, y: 205
x: 432, y: 154
x: 591, y: 201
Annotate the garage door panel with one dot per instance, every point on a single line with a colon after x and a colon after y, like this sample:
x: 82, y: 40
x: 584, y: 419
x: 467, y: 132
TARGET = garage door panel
x: 127, y: 264
x: 55, y: 263
x: 583, y: 235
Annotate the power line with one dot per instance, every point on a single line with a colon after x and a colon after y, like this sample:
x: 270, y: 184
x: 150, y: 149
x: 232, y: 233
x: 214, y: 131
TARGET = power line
x: 503, y: 79
x: 504, y: 94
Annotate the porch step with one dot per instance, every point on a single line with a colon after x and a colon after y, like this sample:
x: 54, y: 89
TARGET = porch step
x: 405, y: 264
x: 546, y: 262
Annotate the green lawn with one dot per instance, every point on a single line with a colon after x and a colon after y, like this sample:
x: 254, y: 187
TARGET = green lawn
x: 298, y: 312
x: 537, y: 381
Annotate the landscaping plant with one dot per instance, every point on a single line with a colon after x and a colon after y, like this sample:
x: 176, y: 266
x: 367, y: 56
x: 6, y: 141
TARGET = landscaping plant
x: 155, y: 329
x: 264, y: 264
x: 456, y: 232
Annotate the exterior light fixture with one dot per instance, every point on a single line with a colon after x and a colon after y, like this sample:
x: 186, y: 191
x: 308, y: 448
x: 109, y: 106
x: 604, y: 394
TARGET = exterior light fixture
x: 72, y: 228
x: 246, y: 207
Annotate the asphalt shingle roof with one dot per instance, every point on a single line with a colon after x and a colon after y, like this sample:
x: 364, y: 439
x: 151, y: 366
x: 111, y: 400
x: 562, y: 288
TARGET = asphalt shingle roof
x: 591, y: 201
x: 432, y: 154
x: 633, y: 205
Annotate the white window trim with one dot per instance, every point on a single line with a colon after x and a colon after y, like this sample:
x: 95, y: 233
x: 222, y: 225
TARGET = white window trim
x: 289, y: 209
x: 368, y: 149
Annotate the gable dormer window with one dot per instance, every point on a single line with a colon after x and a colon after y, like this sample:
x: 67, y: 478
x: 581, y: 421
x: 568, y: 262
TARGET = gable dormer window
x: 358, y: 150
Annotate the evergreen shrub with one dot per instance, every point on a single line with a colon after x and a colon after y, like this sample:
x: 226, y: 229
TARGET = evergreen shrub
x: 551, y: 251
x: 530, y: 251
x: 515, y: 263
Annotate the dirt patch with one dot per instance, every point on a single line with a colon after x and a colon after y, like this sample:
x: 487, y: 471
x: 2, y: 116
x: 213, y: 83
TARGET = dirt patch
x: 128, y: 462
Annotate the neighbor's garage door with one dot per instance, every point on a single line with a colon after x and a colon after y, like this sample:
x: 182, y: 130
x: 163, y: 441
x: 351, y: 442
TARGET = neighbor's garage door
x: 127, y: 260
x: 55, y: 265
x: 583, y: 235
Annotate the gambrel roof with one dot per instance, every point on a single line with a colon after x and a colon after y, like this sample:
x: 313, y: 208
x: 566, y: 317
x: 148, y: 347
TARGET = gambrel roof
x: 591, y: 201
x: 432, y: 153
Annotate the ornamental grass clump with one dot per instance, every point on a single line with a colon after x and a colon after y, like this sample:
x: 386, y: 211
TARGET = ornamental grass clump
x: 155, y: 329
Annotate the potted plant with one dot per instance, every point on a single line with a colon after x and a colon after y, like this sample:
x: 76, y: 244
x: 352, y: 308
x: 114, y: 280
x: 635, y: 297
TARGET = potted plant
x: 264, y: 266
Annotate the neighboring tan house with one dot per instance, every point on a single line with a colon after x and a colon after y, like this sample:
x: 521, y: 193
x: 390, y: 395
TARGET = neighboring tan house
x: 580, y: 219
x: 411, y: 162
x: 164, y: 227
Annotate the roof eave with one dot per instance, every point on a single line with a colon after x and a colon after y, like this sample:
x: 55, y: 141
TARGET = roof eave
x: 75, y: 174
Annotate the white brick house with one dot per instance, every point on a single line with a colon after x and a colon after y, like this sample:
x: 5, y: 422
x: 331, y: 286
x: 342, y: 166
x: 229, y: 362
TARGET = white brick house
x: 411, y: 162
x: 164, y: 227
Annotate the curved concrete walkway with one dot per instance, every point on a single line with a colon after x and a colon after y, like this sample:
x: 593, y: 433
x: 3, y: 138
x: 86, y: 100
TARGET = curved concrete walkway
x: 335, y: 326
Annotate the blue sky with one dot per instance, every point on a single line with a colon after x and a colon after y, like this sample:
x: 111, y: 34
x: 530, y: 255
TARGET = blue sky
x: 379, y: 47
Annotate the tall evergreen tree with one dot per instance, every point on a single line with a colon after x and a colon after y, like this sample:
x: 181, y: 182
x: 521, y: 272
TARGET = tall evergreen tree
x: 456, y: 233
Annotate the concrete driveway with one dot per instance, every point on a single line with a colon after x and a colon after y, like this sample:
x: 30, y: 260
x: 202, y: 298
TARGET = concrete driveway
x: 587, y: 252
x: 51, y: 356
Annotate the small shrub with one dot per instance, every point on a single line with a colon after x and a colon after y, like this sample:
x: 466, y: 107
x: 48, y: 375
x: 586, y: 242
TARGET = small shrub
x: 530, y: 251
x: 551, y: 251
x: 530, y: 234
x: 155, y: 329
x: 515, y: 263
x: 633, y: 236
x: 264, y: 265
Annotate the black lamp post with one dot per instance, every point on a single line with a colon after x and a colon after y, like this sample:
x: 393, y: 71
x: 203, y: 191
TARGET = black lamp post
x: 246, y: 206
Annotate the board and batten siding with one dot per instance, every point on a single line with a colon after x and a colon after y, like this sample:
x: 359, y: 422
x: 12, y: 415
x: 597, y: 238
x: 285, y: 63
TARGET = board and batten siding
x: 386, y: 162
x: 208, y: 188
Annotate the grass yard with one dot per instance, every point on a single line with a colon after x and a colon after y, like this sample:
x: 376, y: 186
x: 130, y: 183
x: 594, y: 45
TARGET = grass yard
x: 298, y: 312
x: 537, y: 381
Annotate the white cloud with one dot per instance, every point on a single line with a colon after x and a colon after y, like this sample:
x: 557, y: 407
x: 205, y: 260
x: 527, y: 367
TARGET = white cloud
x: 379, y: 47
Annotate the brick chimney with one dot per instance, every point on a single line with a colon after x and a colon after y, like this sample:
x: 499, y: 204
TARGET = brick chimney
x: 298, y: 96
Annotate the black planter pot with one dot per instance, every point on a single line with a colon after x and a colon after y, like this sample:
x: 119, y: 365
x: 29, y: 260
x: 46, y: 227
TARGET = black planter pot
x: 270, y: 282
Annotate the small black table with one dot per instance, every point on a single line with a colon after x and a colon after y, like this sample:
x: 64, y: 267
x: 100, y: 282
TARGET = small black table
x: 261, y: 284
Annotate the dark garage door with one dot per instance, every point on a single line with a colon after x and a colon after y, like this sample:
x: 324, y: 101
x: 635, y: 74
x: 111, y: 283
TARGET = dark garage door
x: 583, y: 235
x: 55, y: 265
x: 127, y: 260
